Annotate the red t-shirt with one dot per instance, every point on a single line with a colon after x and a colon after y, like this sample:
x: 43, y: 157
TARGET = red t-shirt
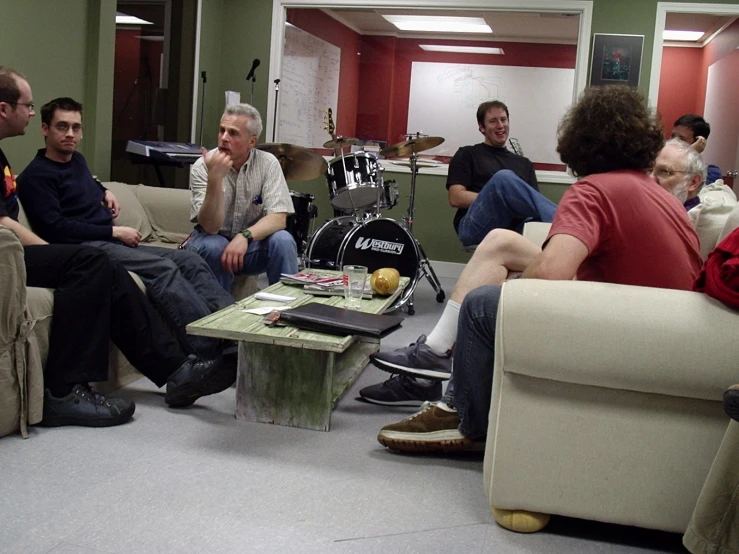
x: 636, y: 232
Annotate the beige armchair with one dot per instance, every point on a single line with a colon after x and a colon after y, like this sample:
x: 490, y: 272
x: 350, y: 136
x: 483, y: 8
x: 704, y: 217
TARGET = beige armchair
x: 606, y: 401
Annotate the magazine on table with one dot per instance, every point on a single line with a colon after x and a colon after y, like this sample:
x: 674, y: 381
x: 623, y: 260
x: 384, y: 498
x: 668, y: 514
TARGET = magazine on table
x: 310, y: 278
x: 337, y: 290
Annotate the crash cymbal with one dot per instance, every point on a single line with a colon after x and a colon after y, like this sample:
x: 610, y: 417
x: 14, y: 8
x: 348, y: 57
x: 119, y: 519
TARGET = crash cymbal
x: 340, y: 142
x: 298, y: 163
x: 414, y: 145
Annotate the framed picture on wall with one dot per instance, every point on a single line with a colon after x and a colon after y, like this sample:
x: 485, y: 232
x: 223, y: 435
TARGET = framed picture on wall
x: 616, y: 59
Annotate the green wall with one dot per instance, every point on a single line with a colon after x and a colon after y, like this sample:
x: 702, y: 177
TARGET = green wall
x: 64, y: 49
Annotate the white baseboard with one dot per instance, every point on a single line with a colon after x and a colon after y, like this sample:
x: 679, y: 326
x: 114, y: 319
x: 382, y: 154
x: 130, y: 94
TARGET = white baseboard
x: 450, y: 270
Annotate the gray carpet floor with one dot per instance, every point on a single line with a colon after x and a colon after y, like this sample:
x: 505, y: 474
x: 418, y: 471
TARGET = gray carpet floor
x: 197, y: 480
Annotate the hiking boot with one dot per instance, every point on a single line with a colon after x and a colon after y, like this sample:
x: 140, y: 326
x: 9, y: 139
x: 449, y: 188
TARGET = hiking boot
x: 196, y: 378
x: 433, y: 429
x: 731, y: 402
x: 417, y: 359
x: 85, y: 407
x: 401, y: 390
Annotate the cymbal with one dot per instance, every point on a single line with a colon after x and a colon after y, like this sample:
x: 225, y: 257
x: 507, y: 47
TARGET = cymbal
x: 298, y: 163
x: 414, y: 145
x: 340, y: 142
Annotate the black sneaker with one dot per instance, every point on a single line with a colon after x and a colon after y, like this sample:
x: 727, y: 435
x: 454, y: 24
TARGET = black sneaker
x: 416, y: 359
x: 401, y: 390
x: 196, y: 378
x: 731, y: 402
x: 85, y: 407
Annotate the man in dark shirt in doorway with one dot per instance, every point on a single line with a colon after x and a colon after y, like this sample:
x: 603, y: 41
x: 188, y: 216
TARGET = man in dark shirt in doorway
x: 492, y: 187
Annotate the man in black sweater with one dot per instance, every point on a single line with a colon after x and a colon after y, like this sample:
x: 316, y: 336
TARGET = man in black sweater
x: 65, y: 204
x: 94, y: 301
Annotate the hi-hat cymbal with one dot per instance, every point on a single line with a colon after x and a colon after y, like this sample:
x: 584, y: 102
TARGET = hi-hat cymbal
x: 409, y: 147
x: 298, y: 163
x: 340, y: 142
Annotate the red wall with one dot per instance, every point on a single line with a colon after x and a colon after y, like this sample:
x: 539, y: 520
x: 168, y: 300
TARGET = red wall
x: 374, y: 87
x: 136, y: 79
x: 679, y: 84
x: 684, y: 76
x: 723, y: 45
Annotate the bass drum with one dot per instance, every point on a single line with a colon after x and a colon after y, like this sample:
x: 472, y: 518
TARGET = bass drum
x: 374, y: 243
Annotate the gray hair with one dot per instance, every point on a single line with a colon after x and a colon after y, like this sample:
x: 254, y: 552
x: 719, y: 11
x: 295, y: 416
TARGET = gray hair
x: 254, y: 124
x: 694, y: 164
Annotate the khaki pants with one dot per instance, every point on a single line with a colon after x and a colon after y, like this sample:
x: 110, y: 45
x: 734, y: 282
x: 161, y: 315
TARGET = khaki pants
x: 714, y: 527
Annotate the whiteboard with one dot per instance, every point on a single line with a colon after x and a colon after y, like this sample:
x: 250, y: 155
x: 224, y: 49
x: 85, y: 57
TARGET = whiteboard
x: 309, y: 84
x: 444, y: 98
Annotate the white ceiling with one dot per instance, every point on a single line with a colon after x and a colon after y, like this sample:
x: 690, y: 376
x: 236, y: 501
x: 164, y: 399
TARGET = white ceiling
x: 547, y: 27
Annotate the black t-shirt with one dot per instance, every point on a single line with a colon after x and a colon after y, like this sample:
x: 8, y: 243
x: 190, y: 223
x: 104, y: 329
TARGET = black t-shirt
x: 473, y: 166
x: 8, y: 195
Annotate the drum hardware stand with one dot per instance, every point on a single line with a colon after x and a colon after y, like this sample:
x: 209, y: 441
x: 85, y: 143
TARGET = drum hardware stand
x: 274, y: 120
x: 423, y: 264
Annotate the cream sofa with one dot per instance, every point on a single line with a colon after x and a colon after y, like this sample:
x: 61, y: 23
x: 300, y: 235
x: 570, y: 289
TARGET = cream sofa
x: 161, y: 215
x: 606, y: 401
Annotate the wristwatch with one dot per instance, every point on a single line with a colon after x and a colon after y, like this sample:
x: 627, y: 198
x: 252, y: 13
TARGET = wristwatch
x: 247, y: 236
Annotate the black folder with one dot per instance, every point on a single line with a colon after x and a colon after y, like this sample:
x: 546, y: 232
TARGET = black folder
x: 340, y: 321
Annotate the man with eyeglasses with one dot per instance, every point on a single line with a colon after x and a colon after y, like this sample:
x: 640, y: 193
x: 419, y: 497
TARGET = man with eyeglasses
x: 95, y: 301
x: 680, y: 170
x: 65, y: 204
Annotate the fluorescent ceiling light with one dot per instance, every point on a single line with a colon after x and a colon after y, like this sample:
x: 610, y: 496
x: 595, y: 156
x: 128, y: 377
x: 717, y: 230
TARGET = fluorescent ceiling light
x: 123, y: 19
x: 682, y: 35
x: 461, y: 49
x: 439, y: 24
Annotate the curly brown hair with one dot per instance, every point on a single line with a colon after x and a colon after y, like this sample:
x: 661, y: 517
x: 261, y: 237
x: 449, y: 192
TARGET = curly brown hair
x: 609, y: 128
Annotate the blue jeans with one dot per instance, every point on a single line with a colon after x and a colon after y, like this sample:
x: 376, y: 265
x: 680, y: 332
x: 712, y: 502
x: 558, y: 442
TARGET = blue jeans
x: 180, y: 285
x: 276, y: 254
x: 471, y: 385
x: 505, y: 202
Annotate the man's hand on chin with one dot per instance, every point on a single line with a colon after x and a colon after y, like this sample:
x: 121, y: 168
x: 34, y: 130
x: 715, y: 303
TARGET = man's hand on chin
x: 232, y: 258
x: 218, y: 163
x: 127, y: 235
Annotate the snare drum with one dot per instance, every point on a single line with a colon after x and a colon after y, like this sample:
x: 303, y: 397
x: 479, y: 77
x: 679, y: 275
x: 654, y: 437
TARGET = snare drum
x: 352, y: 186
x: 299, y: 223
x: 374, y: 243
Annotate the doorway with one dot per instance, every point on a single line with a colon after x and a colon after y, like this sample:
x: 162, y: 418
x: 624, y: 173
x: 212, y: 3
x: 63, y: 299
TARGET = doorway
x: 699, y: 76
x: 153, y: 76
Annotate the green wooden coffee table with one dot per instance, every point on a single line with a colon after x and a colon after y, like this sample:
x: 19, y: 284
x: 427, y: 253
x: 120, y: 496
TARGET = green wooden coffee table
x: 290, y: 376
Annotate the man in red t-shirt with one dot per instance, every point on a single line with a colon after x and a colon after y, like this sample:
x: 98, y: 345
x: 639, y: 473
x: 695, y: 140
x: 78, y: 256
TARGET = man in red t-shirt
x: 616, y: 225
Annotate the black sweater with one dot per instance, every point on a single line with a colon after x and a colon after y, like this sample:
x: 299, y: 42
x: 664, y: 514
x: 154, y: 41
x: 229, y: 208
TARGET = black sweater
x: 63, y: 202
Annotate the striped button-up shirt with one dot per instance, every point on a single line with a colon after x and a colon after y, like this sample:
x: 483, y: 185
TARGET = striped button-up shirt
x: 256, y: 189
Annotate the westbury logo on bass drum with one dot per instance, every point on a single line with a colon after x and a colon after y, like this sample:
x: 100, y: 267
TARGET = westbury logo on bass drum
x: 384, y: 246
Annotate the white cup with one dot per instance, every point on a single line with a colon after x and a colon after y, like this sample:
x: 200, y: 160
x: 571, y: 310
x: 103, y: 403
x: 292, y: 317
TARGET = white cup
x: 355, y: 276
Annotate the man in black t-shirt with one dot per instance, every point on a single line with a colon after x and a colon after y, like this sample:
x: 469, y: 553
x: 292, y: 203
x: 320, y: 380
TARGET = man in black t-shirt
x: 492, y: 187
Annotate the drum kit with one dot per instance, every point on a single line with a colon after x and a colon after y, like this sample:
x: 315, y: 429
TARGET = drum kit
x: 358, y: 234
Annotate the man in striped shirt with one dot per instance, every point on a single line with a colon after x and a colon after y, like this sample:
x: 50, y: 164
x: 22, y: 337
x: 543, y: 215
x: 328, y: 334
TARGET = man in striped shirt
x: 240, y: 203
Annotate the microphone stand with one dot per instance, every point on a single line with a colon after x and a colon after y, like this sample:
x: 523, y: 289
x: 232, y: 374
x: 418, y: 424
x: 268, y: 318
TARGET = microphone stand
x: 274, y: 122
x: 253, y: 80
x: 202, y: 105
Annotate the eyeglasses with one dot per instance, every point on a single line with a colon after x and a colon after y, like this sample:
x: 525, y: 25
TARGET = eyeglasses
x: 64, y: 127
x: 29, y: 105
x: 664, y: 173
